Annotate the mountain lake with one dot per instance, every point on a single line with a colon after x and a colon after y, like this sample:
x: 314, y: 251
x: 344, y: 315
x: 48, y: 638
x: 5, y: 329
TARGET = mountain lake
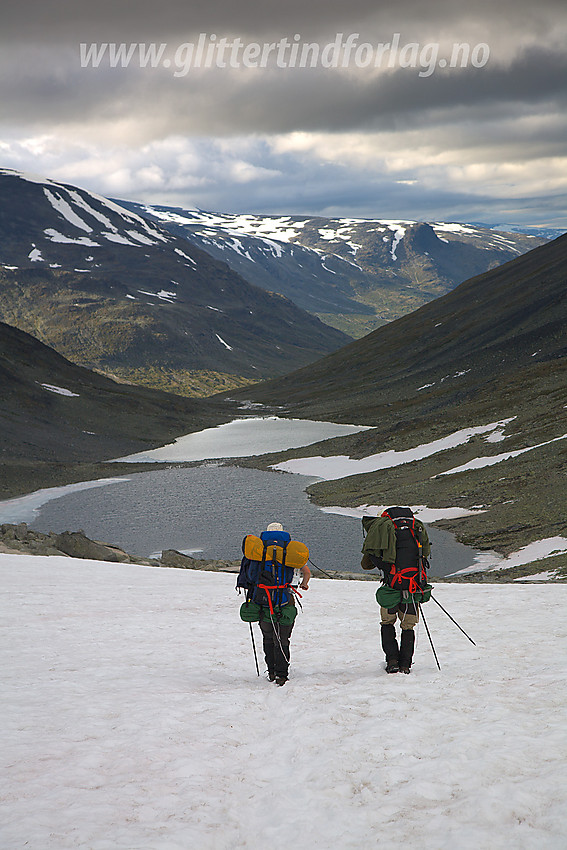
x: 205, y: 510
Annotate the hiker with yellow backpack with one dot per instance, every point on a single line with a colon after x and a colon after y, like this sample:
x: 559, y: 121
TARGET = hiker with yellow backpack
x: 397, y: 543
x: 272, y: 567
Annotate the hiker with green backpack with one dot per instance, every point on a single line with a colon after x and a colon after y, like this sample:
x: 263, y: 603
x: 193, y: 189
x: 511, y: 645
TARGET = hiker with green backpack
x: 272, y: 566
x: 397, y: 543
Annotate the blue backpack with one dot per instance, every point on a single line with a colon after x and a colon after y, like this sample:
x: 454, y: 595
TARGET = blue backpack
x: 266, y: 570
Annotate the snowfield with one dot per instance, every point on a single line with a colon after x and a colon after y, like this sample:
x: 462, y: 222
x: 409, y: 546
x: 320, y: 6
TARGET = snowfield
x: 333, y: 467
x: 133, y: 718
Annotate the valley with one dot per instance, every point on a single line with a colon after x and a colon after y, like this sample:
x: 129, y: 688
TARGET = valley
x: 491, y: 349
x: 354, y: 274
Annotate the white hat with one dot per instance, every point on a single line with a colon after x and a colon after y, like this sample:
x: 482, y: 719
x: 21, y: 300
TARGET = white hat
x: 275, y: 526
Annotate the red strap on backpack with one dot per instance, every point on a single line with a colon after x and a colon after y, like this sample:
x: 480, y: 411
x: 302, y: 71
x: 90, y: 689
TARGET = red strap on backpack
x: 407, y: 573
x: 268, y: 587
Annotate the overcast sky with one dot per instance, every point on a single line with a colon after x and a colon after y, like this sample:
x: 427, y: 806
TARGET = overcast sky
x: 229, y: 120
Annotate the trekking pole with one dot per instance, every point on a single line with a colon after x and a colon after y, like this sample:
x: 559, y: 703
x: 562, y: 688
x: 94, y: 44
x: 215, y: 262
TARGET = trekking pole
x: 254, y: 648
x: 454, y: 621
x: 429, y: 636
x: 319, y: 568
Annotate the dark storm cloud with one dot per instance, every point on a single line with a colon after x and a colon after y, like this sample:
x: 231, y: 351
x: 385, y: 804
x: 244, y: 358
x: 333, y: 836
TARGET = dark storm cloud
x: 274, y: 101
x: 60, y: 20
x: 41, y: 79
x: 328, y: 101
x: 458, y: 142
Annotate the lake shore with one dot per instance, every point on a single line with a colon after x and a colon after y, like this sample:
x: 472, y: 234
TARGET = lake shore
x: 22, y: 477
x: 20, y: 539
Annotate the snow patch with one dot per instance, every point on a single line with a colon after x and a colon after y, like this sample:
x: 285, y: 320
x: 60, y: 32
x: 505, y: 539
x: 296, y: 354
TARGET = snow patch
x: 454, y: 227
x: 221, y: 340
x: 341, y: 466
x: 399, y: 233
x: 140, y: 237
x: 59, y: 390
x: 184, y: 255
x: 129, y: 217
x: 537, y: 577
x: 66, y: 210
x: 35, y: 255
x: 96, y: 214
x: 422, y: 512
x: 237, y: 246
x: 25, y: 508
x: 481, y: 462
x: 163, y: 295
x: 29, y: 177
x: 537, y: 551
x: 117, y: 237
x: 327, y: 269
x: 54, y: 236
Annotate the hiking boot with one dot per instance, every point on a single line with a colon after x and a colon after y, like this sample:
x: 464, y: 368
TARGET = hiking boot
x: 405, y: 669
x: 392, y: 665
x: 271, y: 676
x: 281, y: 680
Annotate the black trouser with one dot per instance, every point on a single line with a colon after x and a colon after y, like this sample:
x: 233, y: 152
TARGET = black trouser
x: 276, y: 652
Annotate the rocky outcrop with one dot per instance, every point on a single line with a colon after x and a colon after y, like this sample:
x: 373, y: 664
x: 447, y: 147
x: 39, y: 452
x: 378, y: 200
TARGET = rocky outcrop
x: 19, y: 538
x: 173, y: 558
x: 75, y: 544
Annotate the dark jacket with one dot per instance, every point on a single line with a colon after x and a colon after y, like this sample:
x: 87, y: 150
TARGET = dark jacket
x: 380, y: 540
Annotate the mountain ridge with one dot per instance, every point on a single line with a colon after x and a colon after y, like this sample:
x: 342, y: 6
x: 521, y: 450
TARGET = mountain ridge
x: 489, y: 309
x: 114, y: 292
x: 354, y: 274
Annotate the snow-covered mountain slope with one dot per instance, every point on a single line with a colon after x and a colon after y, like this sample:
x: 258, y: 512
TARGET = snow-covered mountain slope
x: 111, y: 290
x: 353, y: 272
x: 133, y: 717
x: 267, y: 251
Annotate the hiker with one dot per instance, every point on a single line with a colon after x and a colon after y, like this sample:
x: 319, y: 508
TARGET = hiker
x: 397, y: 543
x: 272, y: 568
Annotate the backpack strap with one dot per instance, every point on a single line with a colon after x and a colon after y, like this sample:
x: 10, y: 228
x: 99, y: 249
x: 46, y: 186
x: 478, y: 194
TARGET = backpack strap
x: 421, y: 561
x: 278, y: 587
x: 407, y: 573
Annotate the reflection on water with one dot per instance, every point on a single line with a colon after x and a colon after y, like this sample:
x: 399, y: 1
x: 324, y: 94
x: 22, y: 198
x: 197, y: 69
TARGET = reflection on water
x: 208, y: 509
